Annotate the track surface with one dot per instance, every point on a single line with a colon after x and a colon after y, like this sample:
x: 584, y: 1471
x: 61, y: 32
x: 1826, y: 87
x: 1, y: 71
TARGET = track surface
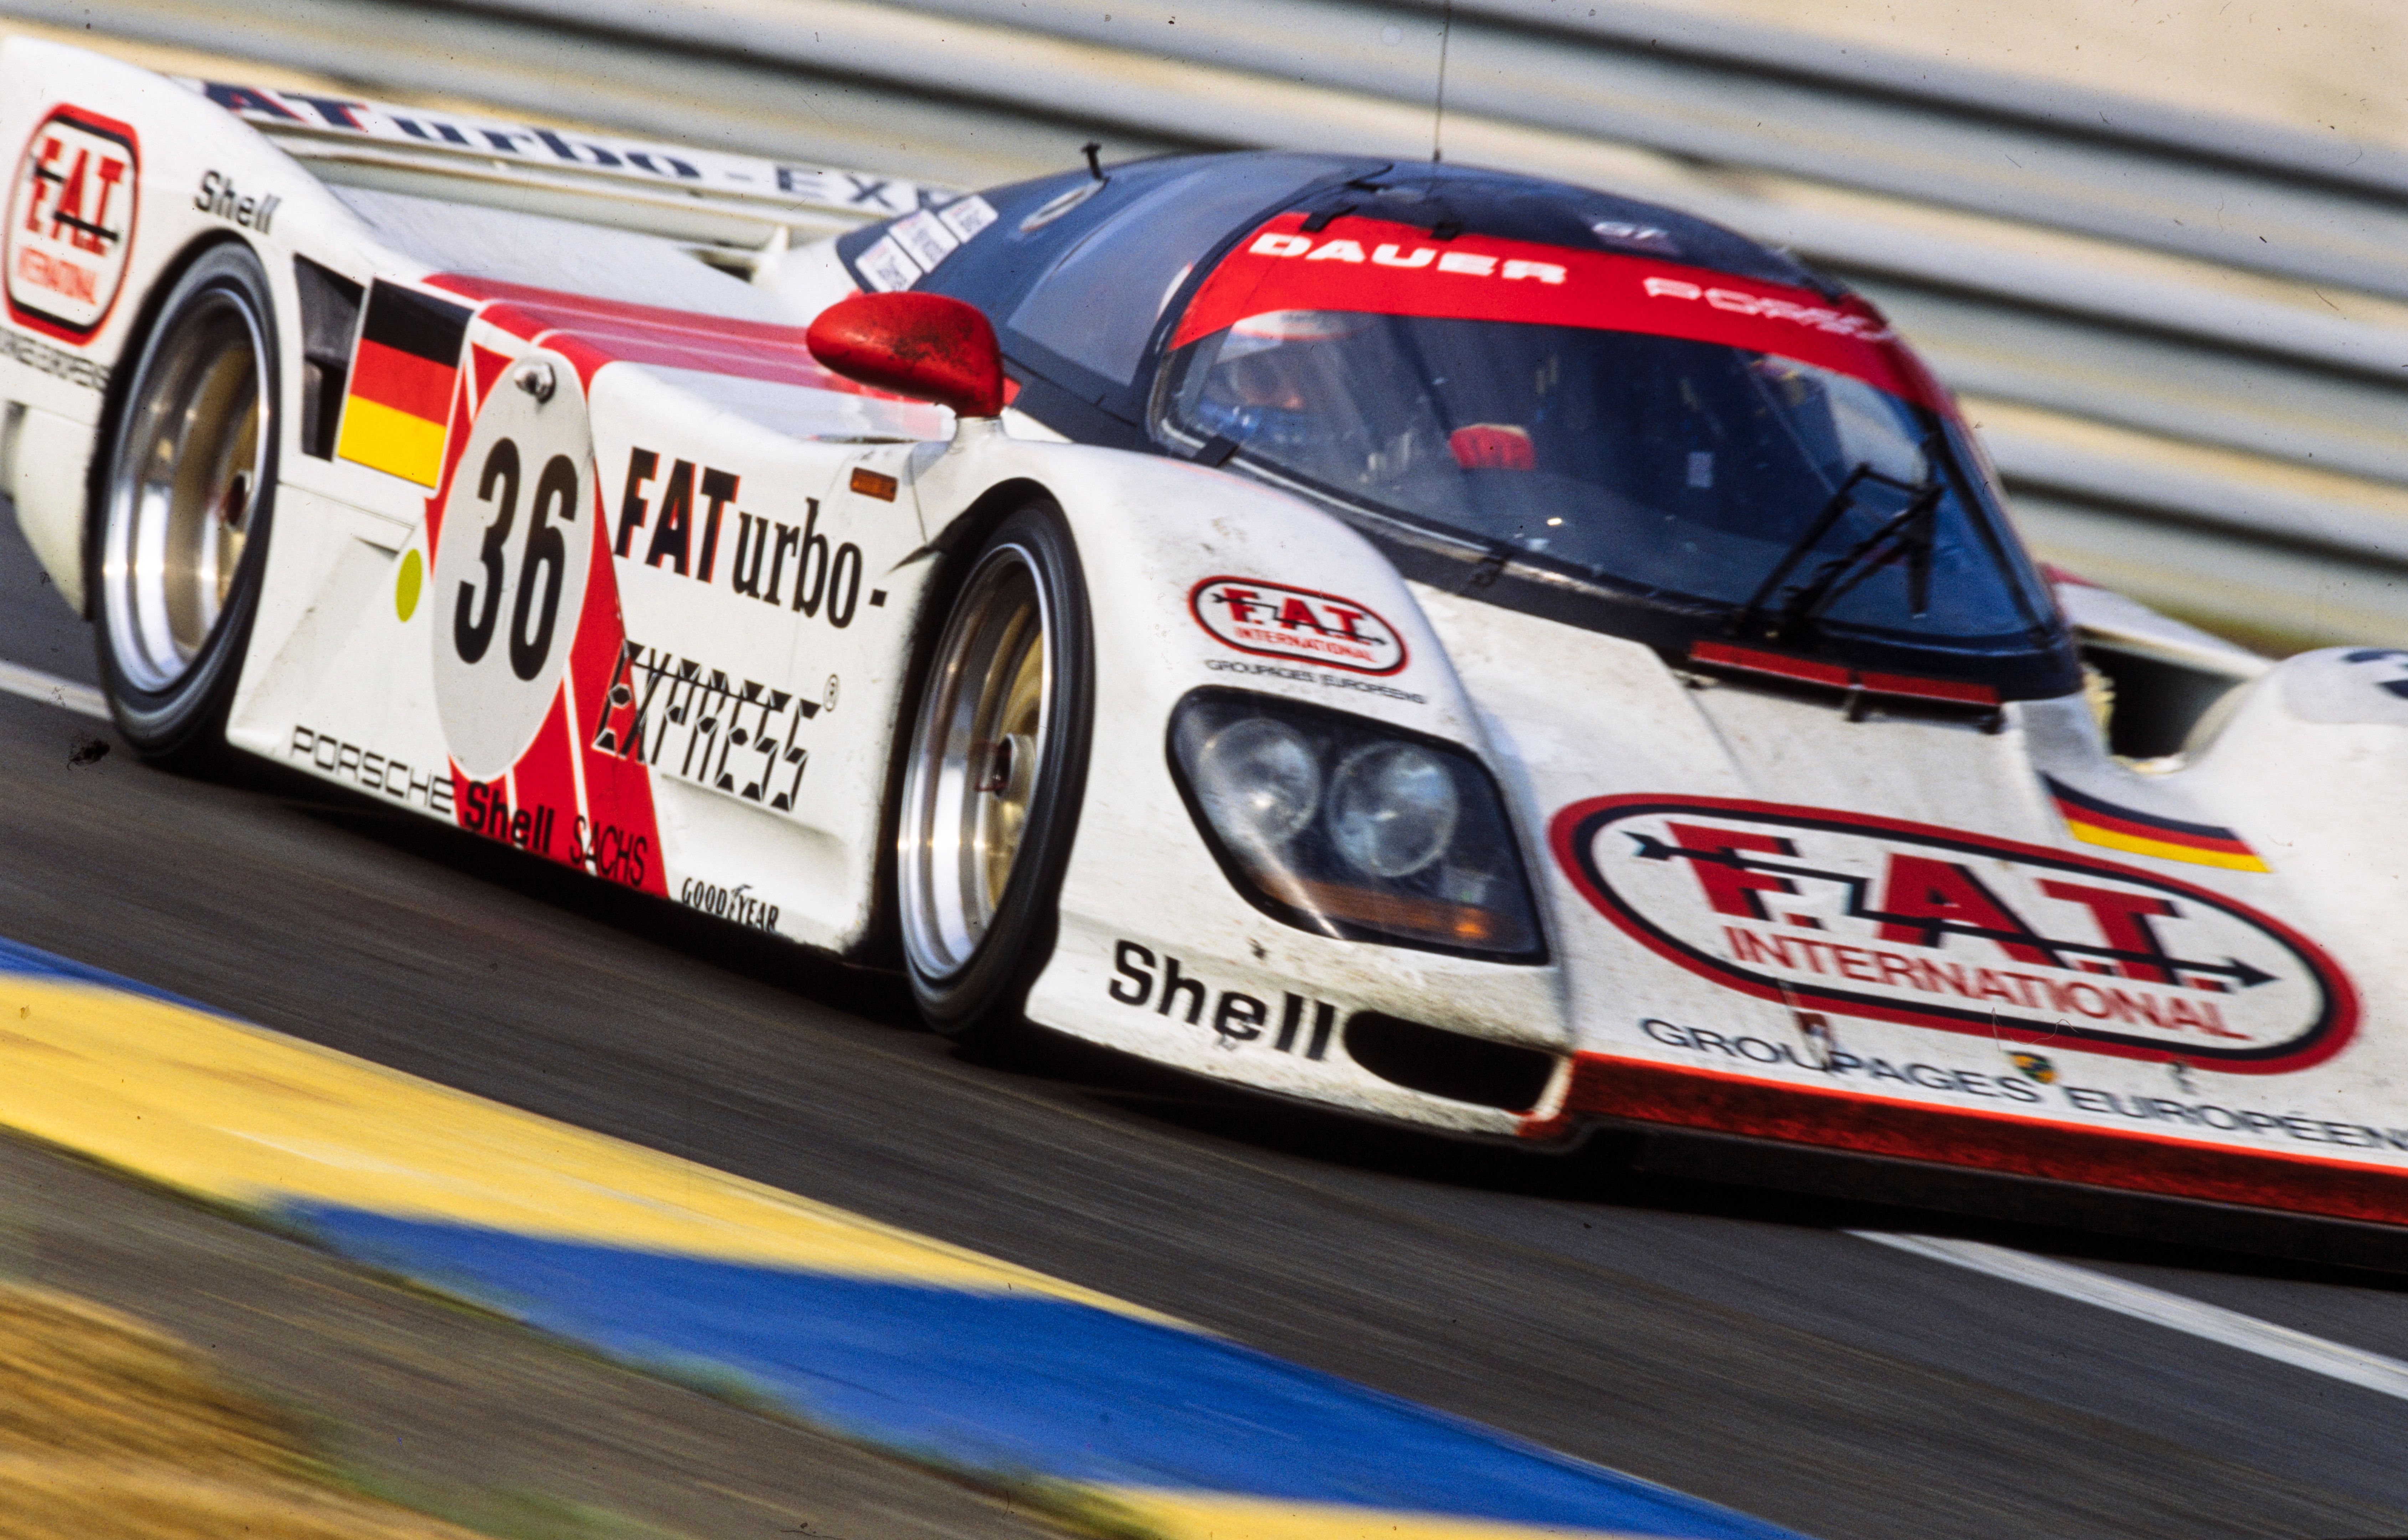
x: 1737, y: 1346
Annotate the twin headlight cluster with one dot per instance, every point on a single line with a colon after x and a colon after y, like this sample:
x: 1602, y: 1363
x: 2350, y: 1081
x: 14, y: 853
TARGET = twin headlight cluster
x: 1351, y: 829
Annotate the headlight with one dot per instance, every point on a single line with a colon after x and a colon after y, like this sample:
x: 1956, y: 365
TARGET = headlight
x: 1353, y: 829
x: 1392, y: 809
x: 1258, y: 782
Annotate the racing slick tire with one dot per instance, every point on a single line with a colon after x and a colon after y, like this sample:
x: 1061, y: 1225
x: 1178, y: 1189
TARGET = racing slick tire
x: 182, y: 494
x: 993, y: 779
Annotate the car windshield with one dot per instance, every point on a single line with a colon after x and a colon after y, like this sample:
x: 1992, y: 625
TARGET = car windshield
x: 1651, y: 464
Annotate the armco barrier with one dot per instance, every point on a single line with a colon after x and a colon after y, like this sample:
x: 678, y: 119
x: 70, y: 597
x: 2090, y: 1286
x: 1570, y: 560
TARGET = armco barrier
x: 930, y: 1351
x: 2188, y: 337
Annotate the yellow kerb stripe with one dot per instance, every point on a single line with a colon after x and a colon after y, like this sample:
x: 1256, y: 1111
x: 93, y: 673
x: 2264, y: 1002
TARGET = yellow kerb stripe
x: 2116, y: 840
x: 251, y: 1118
x: 1197, y: 1516
x: 394, y: 442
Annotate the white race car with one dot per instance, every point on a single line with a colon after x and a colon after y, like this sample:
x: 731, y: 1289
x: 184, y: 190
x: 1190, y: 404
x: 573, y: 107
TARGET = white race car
x: 1463, y: 649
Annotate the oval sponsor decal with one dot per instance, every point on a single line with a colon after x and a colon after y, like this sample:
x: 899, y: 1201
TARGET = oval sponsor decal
x: 512, y: 568
x: 71, y: 222
x: 1932, y: 926
x: 1274, y: 620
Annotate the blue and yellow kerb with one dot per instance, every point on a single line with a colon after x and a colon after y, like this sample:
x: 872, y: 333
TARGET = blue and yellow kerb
x: 885, y: 1336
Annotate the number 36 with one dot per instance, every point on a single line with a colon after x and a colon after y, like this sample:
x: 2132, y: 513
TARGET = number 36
x: 474, y: 613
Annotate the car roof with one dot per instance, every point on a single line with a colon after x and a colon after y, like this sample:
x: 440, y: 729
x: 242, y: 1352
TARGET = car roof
x: 1069, y: 229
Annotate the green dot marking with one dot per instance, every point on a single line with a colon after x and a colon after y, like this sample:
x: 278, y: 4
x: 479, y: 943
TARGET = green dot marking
x: 404, y: 591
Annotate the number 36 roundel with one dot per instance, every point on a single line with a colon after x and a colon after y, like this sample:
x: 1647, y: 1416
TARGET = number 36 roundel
x: 510, y: 572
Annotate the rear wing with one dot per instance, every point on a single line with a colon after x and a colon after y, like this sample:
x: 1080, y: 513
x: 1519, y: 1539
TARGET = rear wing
x: 732, y: 209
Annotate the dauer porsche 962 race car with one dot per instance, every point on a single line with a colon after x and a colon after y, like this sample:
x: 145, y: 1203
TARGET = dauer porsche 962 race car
x: 1453, y: 647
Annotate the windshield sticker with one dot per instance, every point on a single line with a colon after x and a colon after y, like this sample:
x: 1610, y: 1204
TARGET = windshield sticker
x: 1273, y: 620
x: 71, y: 222
x: 1376, y: 266
x: 1927, y: 926
x: 965, y: 217
x: 928, y: 238
x: 887, y: 266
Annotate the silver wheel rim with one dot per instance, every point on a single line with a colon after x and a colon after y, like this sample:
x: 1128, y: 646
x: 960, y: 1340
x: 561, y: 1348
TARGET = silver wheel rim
x: 183, y: 490
x: 974, y: 761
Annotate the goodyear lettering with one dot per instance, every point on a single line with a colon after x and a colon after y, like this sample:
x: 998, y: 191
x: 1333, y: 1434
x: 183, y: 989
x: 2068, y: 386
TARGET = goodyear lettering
x: 728, y: 903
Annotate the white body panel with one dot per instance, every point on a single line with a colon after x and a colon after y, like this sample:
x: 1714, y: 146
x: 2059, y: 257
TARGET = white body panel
x: 722, y: 732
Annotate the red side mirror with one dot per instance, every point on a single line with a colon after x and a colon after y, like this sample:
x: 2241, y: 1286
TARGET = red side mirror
x: 929, y: 347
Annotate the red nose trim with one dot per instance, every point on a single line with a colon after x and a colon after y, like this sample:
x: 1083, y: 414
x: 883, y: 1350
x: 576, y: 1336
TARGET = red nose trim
x: 1755, y: 660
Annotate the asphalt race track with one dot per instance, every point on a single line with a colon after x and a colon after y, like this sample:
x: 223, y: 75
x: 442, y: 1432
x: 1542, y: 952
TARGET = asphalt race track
x: 1736, y: 1344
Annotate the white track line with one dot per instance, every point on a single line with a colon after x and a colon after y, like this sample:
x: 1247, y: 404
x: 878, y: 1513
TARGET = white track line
x: 33, y: 684
x: 2334, y: 1359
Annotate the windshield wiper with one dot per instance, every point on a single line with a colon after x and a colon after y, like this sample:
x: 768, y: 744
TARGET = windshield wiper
x: 1910, y: 533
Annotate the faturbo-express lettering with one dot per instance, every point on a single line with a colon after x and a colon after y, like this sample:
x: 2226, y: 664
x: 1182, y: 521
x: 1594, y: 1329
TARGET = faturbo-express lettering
x: 1237, y: 1018
x: 686, y: 542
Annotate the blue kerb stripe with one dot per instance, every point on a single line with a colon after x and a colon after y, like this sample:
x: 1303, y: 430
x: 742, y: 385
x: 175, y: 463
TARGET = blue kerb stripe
x: 1029, y: 1386
x: 17, y: 958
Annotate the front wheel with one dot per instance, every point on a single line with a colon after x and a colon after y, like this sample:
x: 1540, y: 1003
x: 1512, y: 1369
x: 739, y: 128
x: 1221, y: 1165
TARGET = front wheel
x: 180, y: 511
x: 993, y: 779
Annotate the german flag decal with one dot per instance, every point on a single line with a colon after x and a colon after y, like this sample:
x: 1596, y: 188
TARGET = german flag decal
x: 2098, y: 823
x: 401, y: 400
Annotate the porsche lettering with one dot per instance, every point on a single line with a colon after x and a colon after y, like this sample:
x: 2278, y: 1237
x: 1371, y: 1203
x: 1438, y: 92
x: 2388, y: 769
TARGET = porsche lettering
x: 372, y: 771
x: 1934, y: 927
x: 1770, y: 307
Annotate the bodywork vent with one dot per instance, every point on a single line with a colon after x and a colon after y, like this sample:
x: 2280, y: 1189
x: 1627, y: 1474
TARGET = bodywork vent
x: 1449, y: 1064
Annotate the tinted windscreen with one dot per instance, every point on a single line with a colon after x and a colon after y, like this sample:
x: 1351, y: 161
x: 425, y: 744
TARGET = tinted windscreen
x: 1099, y: 304
x: 1651, y: 464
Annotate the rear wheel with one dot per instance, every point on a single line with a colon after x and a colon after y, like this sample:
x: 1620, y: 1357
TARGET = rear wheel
x: 181, y: 510
x: 993, y: 779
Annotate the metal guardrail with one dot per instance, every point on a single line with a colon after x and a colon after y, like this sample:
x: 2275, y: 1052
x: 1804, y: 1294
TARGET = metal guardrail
x: 2187, y: 340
